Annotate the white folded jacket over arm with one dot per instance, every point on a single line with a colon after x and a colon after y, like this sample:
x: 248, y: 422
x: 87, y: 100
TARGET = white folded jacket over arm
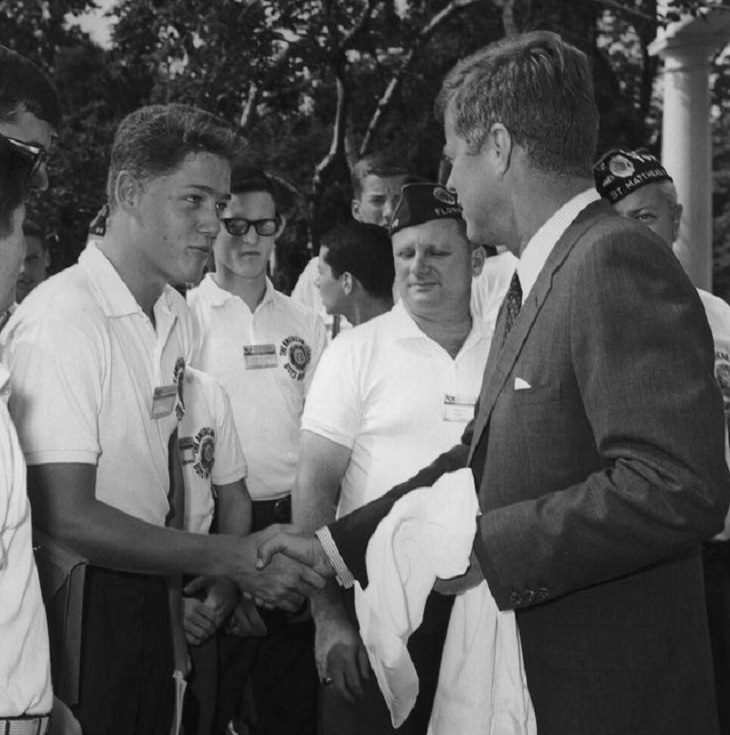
x: 482, y: 689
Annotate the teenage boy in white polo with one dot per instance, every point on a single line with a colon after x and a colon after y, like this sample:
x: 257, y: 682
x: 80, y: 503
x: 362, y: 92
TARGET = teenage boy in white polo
x: 263, y: 347
x: 214, y: 471
x: 26, y: 696
x: 98, y: 354
x: 376, y: 184
x: 387, y: 396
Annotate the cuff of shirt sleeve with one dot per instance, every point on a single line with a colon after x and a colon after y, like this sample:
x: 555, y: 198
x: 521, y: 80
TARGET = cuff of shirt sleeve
x: 342, y: 573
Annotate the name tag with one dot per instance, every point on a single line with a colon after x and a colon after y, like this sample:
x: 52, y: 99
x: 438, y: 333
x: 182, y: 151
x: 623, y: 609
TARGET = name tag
x: 163, y: 401
x: 257, y: 357
x: 186, y: 445
x: 458, y: 408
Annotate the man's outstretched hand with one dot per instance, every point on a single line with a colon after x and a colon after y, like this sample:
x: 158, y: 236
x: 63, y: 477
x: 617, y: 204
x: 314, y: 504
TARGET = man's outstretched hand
x: 273, y: 579
x: 297, y: 546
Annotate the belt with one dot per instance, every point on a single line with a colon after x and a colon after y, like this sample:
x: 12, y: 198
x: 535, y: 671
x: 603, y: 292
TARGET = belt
x: 266, y: 512
x: 33, y: 725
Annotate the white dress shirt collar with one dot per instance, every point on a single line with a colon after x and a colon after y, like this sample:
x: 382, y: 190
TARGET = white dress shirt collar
x: 540, y: 246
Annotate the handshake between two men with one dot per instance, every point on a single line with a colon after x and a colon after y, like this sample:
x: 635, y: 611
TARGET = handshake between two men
x: 282, y: 566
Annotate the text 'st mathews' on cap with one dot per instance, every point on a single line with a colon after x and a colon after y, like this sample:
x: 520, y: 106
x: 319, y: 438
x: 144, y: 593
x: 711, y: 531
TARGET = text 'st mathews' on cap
x: 422, y: 202
x: 621, y: 171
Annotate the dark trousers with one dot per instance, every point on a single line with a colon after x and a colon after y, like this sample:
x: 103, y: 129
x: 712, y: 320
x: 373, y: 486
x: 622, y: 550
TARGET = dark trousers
x: 716, y: 564
x: 269, y: 685
x: 126, y: 655
x: 370, y: 715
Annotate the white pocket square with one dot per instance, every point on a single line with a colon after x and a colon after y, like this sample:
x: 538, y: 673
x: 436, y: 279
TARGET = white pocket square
x: 521, y: 384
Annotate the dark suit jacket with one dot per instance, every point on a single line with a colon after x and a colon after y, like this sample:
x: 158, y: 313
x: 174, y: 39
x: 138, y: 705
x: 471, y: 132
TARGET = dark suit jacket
x: 597, y: 485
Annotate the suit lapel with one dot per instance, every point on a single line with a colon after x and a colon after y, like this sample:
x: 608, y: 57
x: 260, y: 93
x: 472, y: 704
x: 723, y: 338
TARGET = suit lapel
x: 502, y: 358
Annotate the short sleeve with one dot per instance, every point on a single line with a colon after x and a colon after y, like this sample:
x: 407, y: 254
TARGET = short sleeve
x: 319, y: 342
x: 333, y: 406
x: 56, y: 391
x: 230, y: 462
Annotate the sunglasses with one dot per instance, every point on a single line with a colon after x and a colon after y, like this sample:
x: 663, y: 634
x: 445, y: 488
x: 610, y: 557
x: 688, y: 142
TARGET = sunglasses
x: 239, y: 226
x: 33, y: 155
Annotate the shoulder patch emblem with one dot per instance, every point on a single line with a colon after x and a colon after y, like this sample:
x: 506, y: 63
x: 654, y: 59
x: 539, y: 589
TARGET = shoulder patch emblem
x: 204, y: 452
x: 298, y: 355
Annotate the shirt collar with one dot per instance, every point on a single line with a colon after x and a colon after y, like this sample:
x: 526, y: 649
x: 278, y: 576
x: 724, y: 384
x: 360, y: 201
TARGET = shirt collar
x: 217, y: 296
x: 403, y: 326
x: 113, y: 294
x: 546, y: 238
x: 4, y: 383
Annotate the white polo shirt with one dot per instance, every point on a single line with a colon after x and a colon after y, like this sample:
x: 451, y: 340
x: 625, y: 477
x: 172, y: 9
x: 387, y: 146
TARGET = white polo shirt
x: 306, y: 293
x: 86, y: 364
x: 265, y: 361
x: 489, y: 288
x: 209, y: 447
x: 395, y: 398
x: 25, y: 665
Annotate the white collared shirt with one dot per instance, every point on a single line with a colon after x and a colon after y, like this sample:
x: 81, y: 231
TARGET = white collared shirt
x: 85, y: 361
x: 265, y: 361
x: 209, y: 447
x: 541, y: 244
x: 395, y: 398
x: 25, y: 665
x: 489, y: 288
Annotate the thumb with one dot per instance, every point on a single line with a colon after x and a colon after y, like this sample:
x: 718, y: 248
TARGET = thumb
x: 196, y: 585
x: 266, y: 551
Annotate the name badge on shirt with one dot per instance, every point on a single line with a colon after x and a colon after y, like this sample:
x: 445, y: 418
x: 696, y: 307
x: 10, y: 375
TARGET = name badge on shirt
x: 257, y: 357
x: 164, y: 399
x: 459, y: 408
x: 186, y: 446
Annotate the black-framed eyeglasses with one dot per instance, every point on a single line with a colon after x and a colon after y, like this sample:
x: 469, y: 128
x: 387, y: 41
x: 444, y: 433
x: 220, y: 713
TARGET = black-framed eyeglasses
x: 32, y: 154
x: 239, y: 226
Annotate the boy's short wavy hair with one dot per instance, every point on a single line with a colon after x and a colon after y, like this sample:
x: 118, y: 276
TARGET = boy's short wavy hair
x: 153, y: 141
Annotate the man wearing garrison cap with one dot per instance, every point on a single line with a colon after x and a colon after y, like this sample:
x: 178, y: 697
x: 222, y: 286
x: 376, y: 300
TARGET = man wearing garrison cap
x: 405, y: 384
x: 640, y: 188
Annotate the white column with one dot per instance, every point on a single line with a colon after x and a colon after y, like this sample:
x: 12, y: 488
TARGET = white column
x: 686, y: 48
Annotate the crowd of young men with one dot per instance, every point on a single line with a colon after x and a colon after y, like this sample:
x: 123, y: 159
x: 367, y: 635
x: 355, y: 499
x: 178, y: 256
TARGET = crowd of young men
x: 166, y: 438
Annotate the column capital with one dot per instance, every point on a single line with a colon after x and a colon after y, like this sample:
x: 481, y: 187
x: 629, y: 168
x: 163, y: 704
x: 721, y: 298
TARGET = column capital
x: 705, y: 34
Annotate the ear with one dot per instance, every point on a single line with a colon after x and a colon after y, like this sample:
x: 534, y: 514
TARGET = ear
x: 282, y: 225
x: 348, y: 282
x: 676, y: 219
x: 127, y: 190
x: 478, y: 257
x: 355, y: 209
x: 502, y: 145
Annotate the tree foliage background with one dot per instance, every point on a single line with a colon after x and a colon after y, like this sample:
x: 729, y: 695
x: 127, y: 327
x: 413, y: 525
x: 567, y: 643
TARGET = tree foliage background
x: 314, y: 84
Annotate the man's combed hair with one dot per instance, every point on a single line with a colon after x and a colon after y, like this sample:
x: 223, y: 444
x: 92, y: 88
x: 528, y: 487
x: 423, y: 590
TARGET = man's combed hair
x: 364, y: 251
x: 377, y: 164
x: 153, y: 141
x: 540, y: 88
x: 246, y: 178
x: 23, y: 83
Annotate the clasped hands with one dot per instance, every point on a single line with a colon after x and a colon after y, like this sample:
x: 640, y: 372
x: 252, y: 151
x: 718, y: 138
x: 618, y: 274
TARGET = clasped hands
x: 279, y: 567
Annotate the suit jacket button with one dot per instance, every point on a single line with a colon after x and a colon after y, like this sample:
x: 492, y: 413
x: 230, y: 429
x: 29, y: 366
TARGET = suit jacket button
x: 542, y: 594
x: 515, y: 598
x: 529, y: 597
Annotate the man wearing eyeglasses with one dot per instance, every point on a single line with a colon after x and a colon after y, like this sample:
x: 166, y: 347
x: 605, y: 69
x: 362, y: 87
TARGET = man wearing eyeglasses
x: 263, y: 347
x: 29, y: 112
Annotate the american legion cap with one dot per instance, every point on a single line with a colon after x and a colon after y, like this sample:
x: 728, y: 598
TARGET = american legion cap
x: 423, y: 202
x: 620, y: 171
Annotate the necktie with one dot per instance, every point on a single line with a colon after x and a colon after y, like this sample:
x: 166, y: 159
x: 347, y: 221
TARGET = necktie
x: 512, y: 304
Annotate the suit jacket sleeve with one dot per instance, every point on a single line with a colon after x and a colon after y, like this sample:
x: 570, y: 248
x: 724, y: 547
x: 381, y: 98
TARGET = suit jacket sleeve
x: 641, y: 364
x: 352, y: 532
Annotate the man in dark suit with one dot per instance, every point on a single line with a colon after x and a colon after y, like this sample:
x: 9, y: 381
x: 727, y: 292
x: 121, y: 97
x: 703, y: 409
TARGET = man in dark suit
x: 597, y: 443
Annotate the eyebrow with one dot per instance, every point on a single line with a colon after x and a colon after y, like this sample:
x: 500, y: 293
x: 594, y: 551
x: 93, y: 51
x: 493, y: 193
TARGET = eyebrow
x: 209, y: 190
